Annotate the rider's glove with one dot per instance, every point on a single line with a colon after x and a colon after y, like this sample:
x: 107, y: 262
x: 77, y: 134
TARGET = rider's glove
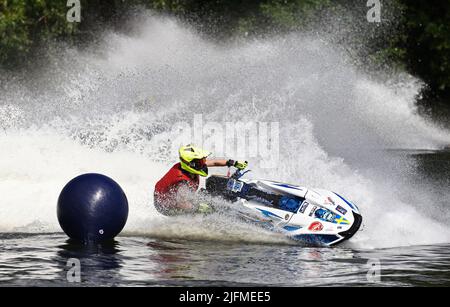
x: 240, y: 164
x: 237, y: 164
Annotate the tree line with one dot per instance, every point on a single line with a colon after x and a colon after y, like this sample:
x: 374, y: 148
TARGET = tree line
x: 413, y: 35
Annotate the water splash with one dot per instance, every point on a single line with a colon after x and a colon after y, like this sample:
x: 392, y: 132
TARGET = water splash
x: 111, y: 111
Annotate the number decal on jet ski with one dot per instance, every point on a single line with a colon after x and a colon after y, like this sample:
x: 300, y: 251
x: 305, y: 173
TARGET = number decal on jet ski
x: 234, y: 185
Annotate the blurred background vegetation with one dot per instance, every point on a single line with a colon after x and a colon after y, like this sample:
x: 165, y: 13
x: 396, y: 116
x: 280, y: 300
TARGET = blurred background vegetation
x: 413, y: 36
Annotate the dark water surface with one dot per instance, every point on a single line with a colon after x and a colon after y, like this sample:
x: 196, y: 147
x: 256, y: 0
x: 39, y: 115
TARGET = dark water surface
x: 42, y: 260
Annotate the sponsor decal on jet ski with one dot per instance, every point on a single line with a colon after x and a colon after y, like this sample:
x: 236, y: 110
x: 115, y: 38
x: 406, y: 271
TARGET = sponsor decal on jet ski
x: 313, y: 210
x: 328, y: 216
x: 315, y: 226
x: 303, y: 207
x: 341, y: 210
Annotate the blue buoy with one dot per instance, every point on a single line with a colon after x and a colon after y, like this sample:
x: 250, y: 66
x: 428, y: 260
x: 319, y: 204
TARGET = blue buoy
x: 92, y: 208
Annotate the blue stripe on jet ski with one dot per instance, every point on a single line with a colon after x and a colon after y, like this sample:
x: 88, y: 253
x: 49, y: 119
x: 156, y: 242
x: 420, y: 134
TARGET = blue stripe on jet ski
x: 291, y: 228
x: 268, y: 213
x: 348, y: 203
x: 288, y: 186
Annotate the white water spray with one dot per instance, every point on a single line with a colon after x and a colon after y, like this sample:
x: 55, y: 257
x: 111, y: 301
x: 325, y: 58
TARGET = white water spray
x: 112, y: 112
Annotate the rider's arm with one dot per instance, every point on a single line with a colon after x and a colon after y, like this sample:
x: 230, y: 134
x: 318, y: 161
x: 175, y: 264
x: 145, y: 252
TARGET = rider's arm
x: 221, y: 162
x: 217, y: 162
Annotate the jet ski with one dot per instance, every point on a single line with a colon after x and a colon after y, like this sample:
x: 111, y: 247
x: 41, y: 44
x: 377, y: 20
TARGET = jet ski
x: 315, y: 217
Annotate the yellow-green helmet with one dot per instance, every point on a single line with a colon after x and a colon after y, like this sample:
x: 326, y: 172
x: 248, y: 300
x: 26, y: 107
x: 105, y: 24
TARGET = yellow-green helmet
x: 193, y: 160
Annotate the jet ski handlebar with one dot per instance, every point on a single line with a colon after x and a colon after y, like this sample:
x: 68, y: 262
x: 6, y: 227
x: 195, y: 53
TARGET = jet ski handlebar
x: 239, y: 173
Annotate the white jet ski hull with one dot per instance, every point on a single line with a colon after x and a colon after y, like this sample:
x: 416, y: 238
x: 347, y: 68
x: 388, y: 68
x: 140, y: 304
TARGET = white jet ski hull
x: 312, y: 216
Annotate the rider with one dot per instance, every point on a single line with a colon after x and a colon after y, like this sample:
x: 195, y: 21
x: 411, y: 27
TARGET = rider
x: 174, y: 193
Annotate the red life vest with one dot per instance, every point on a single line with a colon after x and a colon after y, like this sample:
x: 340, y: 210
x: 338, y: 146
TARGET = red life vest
x: 167, y: 186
